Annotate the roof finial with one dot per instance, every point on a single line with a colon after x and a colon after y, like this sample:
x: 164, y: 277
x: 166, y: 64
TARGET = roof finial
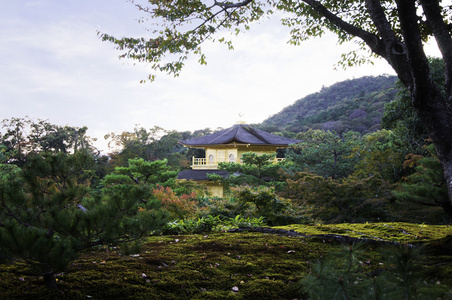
x: 240, y: 121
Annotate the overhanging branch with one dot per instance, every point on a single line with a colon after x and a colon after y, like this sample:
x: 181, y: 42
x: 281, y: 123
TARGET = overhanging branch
x: 370, y: 39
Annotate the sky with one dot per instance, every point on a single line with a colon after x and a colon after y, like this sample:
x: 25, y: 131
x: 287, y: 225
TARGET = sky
x: 53, y: 66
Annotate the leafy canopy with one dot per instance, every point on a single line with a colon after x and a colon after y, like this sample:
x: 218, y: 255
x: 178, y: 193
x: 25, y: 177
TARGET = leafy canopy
x: 178, y: 28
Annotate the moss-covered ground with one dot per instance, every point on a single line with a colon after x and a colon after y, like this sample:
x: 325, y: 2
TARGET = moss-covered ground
x: 245, y: 265
x: 392, y: 232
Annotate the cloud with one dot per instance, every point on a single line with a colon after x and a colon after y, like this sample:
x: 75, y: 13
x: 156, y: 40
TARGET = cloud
x: 53, y: 66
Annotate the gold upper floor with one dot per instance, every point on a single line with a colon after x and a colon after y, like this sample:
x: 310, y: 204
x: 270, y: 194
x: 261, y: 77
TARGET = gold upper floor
x: 228, y: 154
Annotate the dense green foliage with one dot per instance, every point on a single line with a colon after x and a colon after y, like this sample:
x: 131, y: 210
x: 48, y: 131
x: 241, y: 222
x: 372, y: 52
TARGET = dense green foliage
x: 395, y: 31
x: 325, y: 153
x: 59, y: 197
x: 350, y: 275
x: 23, y: 135
x: 255, y: 170
x: 349, y: 200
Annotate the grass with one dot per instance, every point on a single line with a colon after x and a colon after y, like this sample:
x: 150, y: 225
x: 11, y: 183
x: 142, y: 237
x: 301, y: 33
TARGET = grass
x: 229, y: 265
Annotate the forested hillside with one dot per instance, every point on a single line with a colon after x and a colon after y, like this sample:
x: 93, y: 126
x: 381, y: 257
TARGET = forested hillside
x: 355, y: 104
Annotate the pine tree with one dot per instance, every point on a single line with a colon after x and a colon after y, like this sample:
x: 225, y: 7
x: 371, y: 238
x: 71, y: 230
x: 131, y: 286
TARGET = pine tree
x: 256, y: 169
x: 49, y: 212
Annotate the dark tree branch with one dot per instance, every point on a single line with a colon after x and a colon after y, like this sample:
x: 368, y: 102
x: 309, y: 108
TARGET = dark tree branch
x: 395, y: 51
x: 388, y: 46
x: 11, y: 214
x: 370, y: 39
x: 441, y: 31
x: 134, y: 179
x: 418, y: 62
x: 382, y: 24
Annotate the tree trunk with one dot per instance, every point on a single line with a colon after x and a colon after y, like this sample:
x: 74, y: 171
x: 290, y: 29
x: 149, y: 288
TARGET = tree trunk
x: 437, y: 118
x: 429, y: 102
x: 444, y: 140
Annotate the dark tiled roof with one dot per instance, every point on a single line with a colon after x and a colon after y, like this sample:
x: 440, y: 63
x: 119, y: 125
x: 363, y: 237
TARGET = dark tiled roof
x: 200, y: 174
x: 240, y: 133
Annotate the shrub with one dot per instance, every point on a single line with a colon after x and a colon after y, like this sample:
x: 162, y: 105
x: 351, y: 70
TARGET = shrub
x: 275, y: 210
x: 347, y: 200
x: 178, y: 207
x: 210, y: 223
x: 203, y: 224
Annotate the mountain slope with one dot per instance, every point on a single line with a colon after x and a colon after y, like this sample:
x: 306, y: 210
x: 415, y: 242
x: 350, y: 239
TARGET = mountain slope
x: 355, y: 104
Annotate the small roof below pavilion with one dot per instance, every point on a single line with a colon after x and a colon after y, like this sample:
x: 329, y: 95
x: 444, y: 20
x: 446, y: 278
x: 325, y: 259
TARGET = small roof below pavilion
x: 199, y: 175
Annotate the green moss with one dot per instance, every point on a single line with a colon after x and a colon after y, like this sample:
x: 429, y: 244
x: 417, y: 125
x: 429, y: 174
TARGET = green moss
x: 227, y: 265
x: 394, y: 232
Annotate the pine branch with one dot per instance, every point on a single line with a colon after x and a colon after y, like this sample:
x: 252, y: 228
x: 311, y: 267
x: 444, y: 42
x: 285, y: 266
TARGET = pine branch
x: 11, y: 214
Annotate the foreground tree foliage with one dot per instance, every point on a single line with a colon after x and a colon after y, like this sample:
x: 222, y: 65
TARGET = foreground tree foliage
x: 395, y: 31
x: 49, y: 213
x: 347, y: 274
